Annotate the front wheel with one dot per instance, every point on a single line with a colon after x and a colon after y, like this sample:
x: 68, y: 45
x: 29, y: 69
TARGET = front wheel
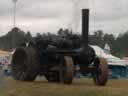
x: 100, y: 77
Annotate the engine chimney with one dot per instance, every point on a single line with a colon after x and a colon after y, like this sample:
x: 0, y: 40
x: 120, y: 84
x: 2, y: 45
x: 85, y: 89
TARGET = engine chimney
x: 85, y: 26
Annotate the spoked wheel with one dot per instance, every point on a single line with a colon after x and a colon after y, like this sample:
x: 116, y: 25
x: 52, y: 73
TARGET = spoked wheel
x: 67, y: 70
x: 25, y: 64
x: 101, y: 75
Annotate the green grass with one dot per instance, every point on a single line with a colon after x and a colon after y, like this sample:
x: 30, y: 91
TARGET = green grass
x: 83, y: 87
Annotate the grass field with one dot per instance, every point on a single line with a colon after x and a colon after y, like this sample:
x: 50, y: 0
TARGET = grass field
x: 83, y: 87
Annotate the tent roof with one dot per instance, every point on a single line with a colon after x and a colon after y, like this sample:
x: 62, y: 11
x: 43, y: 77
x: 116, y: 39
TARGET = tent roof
x: 112, y: 60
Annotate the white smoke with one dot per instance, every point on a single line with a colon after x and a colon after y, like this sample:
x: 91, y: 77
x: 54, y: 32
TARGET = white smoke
x: 77, y: 6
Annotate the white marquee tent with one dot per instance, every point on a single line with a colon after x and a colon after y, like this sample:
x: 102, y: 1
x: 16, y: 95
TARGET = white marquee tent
x: 112, y: 60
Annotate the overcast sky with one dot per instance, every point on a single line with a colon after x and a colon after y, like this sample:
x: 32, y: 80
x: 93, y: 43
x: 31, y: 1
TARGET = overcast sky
x: 111, y: 16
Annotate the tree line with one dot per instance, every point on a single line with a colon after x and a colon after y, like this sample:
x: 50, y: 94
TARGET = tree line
x: 118, y: 44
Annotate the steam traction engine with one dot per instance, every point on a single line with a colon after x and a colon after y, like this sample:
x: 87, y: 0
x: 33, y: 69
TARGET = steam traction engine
x: 57, y: 61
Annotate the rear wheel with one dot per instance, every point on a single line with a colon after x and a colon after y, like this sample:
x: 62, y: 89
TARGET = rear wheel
x: 101, y: 75
x: 67, y: 70
x: 25, y: 64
